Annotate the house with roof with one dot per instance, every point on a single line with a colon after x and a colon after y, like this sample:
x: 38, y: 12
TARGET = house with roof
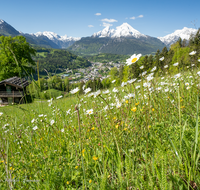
x: 13, y: 90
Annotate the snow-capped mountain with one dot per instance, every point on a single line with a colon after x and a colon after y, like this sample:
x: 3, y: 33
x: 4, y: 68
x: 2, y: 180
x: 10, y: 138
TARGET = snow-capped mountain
x: 61, y: 41
x: 185, y: 33
x: 54, y: 37
x: 124, y: 30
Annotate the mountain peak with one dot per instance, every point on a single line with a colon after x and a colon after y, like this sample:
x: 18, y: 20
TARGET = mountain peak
x: 6, y: 29
x: 124, y: 30
x: 184, y: 33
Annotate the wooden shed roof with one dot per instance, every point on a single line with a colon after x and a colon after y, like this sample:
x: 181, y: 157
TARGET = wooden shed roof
x: 16, y: 81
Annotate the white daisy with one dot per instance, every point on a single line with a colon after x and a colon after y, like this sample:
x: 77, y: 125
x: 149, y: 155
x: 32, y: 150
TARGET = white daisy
x: 34, y: 128
x: 97, y: 93
x: 175, y: 64
x: 106, y: 92
x: 90, y: 111
x: 74, y: 91
x: 152, y: 70
x: 134, y: 58
x: 123, y: 84
x: 115, y: 90
x: 131, y: 81
x: 87, y: 90
x: 118, y: 105
x: 192, y: 53
x: 142, y: 67
x: 162, y: 58
x: 52, y: 122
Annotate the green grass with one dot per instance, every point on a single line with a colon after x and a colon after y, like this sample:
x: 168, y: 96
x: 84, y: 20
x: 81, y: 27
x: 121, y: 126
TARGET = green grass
x: 150, y: 141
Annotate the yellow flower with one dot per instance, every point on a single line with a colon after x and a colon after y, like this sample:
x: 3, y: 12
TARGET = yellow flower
x: 83, y: 152
x: 90, y: 181
x: 76, y: 167
x: 116, y: 126
x: 67, y: 182
x: 114, y: 118
x: 93, y: 128
x: 125, y: 129
x: 137, y: 103
x: 95, y: 158
x: 127, y: 101
x: 134, y: 109
x: 153, y: 109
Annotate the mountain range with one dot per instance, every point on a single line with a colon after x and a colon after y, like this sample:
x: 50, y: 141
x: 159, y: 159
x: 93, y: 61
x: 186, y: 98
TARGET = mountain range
x: 122, y: 40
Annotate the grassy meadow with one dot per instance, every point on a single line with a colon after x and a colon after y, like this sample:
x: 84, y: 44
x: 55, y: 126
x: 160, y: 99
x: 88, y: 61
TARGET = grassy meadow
x: 141, y: 135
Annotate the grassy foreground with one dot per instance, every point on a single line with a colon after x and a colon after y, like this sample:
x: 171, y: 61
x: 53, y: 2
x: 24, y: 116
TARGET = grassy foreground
x: 144, y: 135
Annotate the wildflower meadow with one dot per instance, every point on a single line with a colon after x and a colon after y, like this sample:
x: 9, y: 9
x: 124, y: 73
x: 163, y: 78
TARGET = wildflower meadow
x: 143, y: 134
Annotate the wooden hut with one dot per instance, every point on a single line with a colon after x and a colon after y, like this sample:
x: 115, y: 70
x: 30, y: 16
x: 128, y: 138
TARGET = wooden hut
x: 12, y: 90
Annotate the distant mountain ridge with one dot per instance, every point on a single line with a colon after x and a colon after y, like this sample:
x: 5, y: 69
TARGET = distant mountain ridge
x: 123, y: 40
x: 45, y: 39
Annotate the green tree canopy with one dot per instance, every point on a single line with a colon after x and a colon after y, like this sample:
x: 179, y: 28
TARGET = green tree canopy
x: 12, y: 49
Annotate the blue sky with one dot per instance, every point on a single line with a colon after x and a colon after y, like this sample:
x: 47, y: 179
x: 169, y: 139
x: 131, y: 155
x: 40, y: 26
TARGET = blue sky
x: 79, y: 18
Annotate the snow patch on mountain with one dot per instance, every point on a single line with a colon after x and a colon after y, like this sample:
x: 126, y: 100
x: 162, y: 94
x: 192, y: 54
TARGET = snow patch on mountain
x: 124, y: 30
x: 1, y: 21
x: 185, y: 33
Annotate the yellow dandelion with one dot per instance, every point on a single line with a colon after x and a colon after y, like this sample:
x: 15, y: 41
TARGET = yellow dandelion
x: 137, y: 103
x: 114, y: 118
x: 134, y: 109
x: 67, y: 182
x: 93, y: 128
x: 127, y: 101
x: 125, y: 129
x: 153, y: 109
x: 90, y: 181
x: 76, y: 167
x: 95, y: 158
x: 116, y: 126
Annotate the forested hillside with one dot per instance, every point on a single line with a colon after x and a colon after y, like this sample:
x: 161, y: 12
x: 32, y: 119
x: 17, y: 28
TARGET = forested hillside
x: 107, y: 57
x: 54, y: 60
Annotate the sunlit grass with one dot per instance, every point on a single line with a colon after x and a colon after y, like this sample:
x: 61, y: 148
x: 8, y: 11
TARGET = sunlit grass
x: 143, y: 135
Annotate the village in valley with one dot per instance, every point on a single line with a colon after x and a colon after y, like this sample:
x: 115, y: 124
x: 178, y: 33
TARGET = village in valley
x: 96, y: 70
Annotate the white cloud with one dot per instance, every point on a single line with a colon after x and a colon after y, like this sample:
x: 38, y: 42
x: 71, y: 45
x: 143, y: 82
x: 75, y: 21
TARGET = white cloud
x: 106, y: 24
x: 98, y: 14
x: 90, y: 26
x: 109, y: 20
x: 140, y: 16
